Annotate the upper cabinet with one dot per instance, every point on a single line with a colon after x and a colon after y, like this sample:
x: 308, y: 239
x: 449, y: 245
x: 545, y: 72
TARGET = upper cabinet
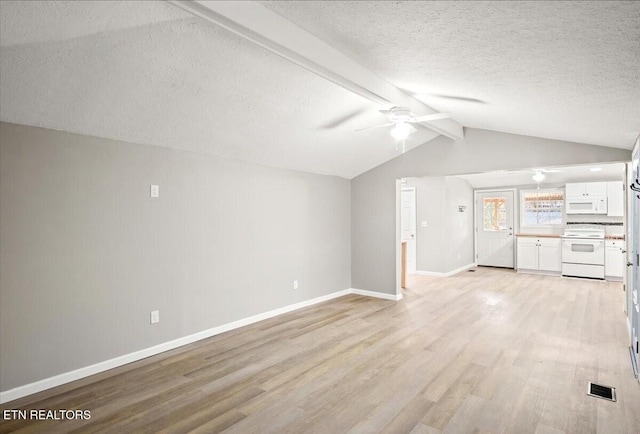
x: 586, y: 189
x: 615, y: 199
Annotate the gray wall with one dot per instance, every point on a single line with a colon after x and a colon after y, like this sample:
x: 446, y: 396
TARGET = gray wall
x: 86, y: 254
x: 446, y: 244
x: 373, y: 194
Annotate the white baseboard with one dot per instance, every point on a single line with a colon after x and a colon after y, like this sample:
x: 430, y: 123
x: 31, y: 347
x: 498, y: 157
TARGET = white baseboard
x: 67, y: 377
x: 447, y: 274
x: 430, y: 273
x: 385, y: 296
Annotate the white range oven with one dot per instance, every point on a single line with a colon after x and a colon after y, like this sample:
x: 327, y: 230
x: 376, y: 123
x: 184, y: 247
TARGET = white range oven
x: 583, y: 252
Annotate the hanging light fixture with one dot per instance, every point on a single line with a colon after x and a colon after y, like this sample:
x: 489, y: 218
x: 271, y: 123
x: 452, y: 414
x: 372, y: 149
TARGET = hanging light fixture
x: 539, y: 176
x: 401, y: 131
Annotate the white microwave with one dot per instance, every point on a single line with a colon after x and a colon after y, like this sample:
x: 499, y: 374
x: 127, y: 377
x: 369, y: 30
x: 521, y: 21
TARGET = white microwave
x: 586, y: 205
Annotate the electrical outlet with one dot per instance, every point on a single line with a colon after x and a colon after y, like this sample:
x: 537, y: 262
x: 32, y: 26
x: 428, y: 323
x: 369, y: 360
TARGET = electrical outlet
x: 155, y: 316
x: 155, y: 190
x: 295, y: 284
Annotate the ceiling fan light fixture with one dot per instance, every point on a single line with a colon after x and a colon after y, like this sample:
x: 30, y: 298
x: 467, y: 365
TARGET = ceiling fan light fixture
x: 539, y: 176
x: 401, y: 131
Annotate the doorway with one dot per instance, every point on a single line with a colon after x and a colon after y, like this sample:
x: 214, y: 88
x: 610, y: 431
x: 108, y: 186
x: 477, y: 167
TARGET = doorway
x: 495, y: 228
x: 408, y: 225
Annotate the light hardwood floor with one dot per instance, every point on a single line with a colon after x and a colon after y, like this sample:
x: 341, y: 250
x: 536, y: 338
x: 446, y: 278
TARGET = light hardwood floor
x: 488, y: 351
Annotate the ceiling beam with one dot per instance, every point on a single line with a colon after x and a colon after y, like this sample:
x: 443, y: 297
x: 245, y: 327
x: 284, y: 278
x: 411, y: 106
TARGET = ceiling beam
x: 267, y: 29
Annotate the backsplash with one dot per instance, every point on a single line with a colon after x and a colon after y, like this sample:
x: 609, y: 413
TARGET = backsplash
x: 596, y: 223
x: 592, y: 218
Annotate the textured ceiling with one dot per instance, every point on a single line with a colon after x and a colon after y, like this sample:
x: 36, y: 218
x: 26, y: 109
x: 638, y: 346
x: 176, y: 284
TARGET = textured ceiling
x: 148, y: 72
x: 176, y: 81
x: 563, y: 70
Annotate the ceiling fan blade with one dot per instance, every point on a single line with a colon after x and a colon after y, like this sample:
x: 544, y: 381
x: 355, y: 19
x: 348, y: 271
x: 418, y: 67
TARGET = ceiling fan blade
x: 459, y: 98
x: 336, y: 122
x: 376, y: 126
x: 433, y: 117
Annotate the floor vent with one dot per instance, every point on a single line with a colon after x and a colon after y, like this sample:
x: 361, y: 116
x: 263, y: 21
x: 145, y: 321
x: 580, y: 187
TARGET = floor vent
x: 600, y: 391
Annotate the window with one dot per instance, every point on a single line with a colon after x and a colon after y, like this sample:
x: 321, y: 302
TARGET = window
x: 494, y: 213
x: 541, y: 207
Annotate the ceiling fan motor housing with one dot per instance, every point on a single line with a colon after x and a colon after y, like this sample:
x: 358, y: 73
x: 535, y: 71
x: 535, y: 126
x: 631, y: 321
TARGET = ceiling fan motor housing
x: 399, y: 114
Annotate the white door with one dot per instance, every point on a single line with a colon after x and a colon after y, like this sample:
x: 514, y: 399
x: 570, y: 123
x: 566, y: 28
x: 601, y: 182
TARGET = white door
x: 408, y: 225
x: 633, y: 258
x: 494, y: 226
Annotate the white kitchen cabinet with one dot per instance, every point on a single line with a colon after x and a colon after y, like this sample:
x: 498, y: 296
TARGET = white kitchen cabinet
x: 550, y: 255
x: 586, y: 189
x: 615, y: 199
x: 527, y: 251
x: 539, y: 254
x: 614, y: 259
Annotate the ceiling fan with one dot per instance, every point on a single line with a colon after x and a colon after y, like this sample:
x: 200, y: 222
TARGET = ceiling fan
x: 539, y: 174
x: 401, y: 118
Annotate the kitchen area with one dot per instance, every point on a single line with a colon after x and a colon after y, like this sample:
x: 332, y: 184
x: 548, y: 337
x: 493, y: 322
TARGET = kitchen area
x: 592, y: 242
x: 576, y: 224
x: 600, y: 226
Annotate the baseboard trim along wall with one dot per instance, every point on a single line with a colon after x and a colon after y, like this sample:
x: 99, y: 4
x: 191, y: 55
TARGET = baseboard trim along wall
x: 394, y: 297
x: 67, y: 377
x: 450, y: 273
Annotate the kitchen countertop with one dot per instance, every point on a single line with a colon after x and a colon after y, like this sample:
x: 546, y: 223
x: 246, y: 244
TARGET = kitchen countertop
x: 606, y: 237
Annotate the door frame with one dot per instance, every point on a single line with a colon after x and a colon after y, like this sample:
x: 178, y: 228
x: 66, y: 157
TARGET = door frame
x: 516, y: 220
x: 399, y: 185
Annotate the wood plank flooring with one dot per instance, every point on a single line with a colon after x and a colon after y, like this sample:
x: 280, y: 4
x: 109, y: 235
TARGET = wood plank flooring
x: 488, y: 351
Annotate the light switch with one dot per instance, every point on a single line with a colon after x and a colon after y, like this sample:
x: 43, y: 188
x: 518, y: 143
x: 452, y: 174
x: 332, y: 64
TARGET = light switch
x: 155, y: 316
x: 155, y: 190
x: 424, y: 224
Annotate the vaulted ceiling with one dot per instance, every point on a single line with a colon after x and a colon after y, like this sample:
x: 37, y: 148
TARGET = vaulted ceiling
x: 154, y: 73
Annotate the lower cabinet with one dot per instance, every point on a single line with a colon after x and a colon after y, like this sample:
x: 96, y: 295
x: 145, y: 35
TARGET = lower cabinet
x: 539, y: 254
x: 614, y: 259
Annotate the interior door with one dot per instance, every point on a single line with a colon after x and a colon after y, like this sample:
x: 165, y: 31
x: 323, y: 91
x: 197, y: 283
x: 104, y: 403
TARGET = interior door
x: 494, y: 227
x: 633, y: 257
x: 408, y: 225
